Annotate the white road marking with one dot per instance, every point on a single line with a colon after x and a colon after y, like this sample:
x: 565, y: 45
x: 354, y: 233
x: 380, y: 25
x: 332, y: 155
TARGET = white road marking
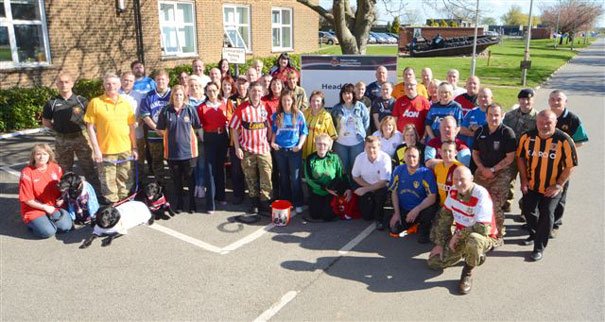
x: 270, y: 312
x: 365, y: 233
x: 246, y: 240
x: 185, y: 238
x: 9, y: 195
x: 11, y: 171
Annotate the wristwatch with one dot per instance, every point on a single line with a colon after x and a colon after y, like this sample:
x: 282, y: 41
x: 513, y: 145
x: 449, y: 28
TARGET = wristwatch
x: 492, y: 169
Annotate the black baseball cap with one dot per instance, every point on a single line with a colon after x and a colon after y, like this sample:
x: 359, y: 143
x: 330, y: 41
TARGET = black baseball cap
x: 526, y: 93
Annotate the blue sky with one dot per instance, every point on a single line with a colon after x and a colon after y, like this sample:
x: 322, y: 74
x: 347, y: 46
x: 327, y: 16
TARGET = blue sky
x: 490, y: 8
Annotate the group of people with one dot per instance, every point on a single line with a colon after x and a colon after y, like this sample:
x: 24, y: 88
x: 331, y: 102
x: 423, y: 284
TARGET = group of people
x: 442, y: 155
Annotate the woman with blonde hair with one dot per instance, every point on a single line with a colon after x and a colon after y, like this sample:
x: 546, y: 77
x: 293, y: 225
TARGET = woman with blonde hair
x: 177, y: 123
x: 410, y: 138
x: 39, y: 194
x: 390, y: 138
x: 319, y: 121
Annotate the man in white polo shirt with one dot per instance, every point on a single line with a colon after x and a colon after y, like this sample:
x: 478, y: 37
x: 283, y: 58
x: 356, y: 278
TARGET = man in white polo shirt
x: 372, y: 171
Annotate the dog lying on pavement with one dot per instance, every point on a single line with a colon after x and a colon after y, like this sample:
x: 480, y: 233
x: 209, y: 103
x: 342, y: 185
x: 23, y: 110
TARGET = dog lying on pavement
x: 113, y: 222
x: 156, y: 201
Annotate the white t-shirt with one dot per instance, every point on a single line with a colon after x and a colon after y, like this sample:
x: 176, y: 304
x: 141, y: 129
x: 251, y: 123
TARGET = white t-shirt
x: 132, y: 214
x: 135, y: 98
x: 372, y: 172
x: 347, y: 131
x: 389, y: 145
x: 478, y: 209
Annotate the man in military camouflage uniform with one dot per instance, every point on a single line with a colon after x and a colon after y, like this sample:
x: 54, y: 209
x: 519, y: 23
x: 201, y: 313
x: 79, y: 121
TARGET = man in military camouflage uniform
x: 521, y: 119
x: 251, y: 130
x: 494, y: 153
x: 469, y: 207
x: 65, y: 115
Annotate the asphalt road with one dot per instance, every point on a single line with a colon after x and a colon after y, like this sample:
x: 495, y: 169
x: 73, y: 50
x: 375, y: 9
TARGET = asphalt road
x: 207, y: 267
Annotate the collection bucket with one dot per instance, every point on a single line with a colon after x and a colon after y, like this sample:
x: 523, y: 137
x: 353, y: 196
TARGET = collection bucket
x: 280, y: 212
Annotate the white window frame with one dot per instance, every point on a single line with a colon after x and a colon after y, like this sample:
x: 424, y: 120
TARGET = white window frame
x: 231, y: 26
x: 10, y: 23
x: 280, y: 27
x: 177, y: 24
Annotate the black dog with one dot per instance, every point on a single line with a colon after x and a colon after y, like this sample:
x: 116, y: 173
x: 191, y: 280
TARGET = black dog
x: 72, y: 193
x: 156, y: 201
x: 110, y: 223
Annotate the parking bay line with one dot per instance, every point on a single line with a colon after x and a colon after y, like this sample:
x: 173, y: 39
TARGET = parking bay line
x: 185, y: 238
x: 10, y: 171
x: 289, y: 296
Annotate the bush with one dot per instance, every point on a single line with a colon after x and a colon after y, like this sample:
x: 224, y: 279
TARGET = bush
x: 89, y: 88
x: 21, y: 108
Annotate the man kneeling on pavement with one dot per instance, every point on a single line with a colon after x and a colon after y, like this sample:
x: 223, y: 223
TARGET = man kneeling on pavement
x: 470, y: 208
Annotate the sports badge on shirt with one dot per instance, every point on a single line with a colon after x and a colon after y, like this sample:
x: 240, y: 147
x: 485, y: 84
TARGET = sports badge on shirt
x: 416, y: 184
x: 496, y: 145
x: 186, y: 119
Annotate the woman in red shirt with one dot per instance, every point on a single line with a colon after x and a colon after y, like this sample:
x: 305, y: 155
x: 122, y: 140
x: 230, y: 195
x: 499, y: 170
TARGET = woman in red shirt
x: 40, y: 196
x: 271, y: 100
x: 214, y: 118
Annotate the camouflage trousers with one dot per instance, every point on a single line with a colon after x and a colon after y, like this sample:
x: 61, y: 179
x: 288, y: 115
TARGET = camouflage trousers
x: 257, y: 170
x: 498, y: 188
x: 68, y: 145
x: 471, y: 249
x: 115, y: 175
x: 156, y: 149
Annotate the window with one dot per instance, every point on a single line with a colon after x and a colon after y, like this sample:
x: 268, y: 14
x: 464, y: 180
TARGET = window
x: 177, y: 25
x: 236, y: 21
x: 281, y: 28
x: 23, y: 34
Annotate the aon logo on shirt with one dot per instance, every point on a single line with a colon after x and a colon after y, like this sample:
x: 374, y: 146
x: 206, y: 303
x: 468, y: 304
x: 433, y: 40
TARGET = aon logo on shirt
x: 411, y: 114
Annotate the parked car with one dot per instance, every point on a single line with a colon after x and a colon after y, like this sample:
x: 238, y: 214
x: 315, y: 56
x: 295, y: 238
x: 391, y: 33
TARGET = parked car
x: 394, y: 35
x: 372, y: 39
x: 380, y: 39
x: 390, y: 39
x: 327, y: 38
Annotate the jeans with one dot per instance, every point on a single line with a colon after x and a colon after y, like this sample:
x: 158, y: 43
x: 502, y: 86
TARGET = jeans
x: 289, y: 165
x: 200, y: 169
x: 47, y: 226
x: 215, y: 149
x: 347, y: 154
x: 237, y: 175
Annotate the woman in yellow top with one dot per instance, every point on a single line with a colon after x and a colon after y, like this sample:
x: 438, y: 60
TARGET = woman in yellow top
x: 318, y: 121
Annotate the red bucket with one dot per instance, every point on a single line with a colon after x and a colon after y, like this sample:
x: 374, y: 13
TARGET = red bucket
x: 280, y: 212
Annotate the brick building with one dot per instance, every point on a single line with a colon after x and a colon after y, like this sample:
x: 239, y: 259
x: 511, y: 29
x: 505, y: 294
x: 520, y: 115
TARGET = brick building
x: 91, y: 37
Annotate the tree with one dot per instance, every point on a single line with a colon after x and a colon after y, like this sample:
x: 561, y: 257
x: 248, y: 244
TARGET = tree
x: 514, y: 16
x: 389, y: 27
x: 442, y: 23
x: 572, y: 15
x: 488, y: 21
x: 395, y: 26
x: 352, y: 25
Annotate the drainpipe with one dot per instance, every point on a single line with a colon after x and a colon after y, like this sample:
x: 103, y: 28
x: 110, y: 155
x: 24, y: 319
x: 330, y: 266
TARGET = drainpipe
x: 138, y: 31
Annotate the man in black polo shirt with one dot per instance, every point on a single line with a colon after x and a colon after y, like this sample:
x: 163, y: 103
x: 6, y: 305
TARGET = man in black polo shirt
x: 65, y: 115
x: 571, y: 124
x: 546, y: 157
x: 493, y: 153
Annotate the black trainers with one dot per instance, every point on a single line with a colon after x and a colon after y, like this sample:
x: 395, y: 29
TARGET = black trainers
x: 536, y: 255
x: 529, y: 241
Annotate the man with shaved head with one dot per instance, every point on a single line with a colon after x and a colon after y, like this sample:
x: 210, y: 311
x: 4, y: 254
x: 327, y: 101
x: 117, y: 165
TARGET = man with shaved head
x: 468, y: 100
x: 374, y: 88
x: 474, y: 119
x: 546, y: 157
x: 469, y: 207
x: 571, y: 124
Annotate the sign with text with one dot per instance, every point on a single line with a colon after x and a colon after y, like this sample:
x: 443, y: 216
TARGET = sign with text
x: 234, y: 55
x: 329, y: 73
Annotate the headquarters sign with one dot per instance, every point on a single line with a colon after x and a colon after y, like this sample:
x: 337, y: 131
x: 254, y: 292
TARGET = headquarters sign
x: 329, y: 73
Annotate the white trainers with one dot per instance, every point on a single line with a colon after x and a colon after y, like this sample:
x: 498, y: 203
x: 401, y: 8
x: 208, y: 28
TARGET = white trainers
x: 299, y: 210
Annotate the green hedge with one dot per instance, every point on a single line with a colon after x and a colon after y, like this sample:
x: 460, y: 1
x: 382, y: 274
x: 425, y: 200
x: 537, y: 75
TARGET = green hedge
x: 21, y: 108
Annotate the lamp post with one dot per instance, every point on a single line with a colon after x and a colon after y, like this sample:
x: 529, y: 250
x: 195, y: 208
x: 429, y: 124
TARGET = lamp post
x: 474, y: 61
x: 525, y: 65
